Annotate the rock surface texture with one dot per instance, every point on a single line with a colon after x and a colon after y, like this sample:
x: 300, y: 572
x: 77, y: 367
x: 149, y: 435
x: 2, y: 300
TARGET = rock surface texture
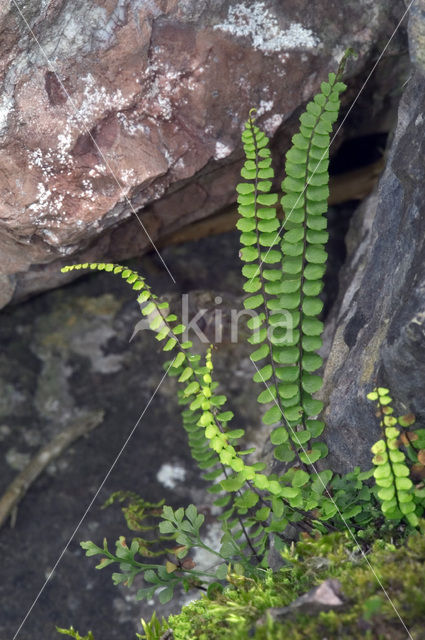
x: 143, y: 104
x: 378, y: 325
x: 325, y: 597
x: 120, y: 119
x: 65, y: 355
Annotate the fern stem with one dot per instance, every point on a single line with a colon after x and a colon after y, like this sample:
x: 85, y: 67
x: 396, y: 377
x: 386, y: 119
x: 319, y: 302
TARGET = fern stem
x: 305, y: 514
x: 246, y: 535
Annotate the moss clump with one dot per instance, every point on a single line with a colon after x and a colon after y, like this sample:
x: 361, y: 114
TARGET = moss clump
x: 239, y: 612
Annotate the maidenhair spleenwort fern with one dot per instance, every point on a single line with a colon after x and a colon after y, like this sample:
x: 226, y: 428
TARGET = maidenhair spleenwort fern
x: 286, y: 331
x: 286, y: 335
x: 284, y: 279
x: 397, y: 493
x: 213, y: 444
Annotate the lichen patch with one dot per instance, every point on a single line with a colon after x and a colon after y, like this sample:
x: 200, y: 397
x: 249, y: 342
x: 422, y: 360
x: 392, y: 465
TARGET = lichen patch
x: 169, y: 475
x: 222, y: 150
x: 261, y: 26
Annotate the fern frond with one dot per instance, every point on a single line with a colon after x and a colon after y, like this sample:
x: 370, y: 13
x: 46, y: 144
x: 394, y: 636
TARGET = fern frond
x: 74, y: 634
x: 392, y: 475
x: 304, y: 203
x: 210, y: 440
x: 287, y: 331
x: 261, y: 247
x: 285, y: 327
x: 185, y: 365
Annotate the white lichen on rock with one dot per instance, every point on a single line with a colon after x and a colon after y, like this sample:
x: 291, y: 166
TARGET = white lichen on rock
x: 273, y: 122
x: 164, y: 84
x: 97, y: 100
x: 270, y: 125
x: 6, y: 107
x: 47, y: 202
x: 264, y: 106
x: 130, y: 124
x: 169, y: 475
x: 17, y: 460
x: 259, y: 24
x: 128, y: 176
x: 222, y: 150
x: 48, y: 209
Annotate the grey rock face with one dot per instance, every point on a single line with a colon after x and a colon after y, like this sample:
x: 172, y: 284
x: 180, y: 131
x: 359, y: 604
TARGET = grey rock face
x: 325, y: 597
x: 66, y: 354
x: 378, y: 326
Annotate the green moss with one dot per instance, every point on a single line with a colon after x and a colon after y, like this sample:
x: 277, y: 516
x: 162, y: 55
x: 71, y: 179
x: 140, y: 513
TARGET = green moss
x: 240, y: 611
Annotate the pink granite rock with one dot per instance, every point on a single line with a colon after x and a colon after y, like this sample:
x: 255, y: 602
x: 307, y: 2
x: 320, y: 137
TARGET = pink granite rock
x: 112, y: 108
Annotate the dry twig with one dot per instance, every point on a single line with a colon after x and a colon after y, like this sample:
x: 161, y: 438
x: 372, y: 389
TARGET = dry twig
x: 20, y: 485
